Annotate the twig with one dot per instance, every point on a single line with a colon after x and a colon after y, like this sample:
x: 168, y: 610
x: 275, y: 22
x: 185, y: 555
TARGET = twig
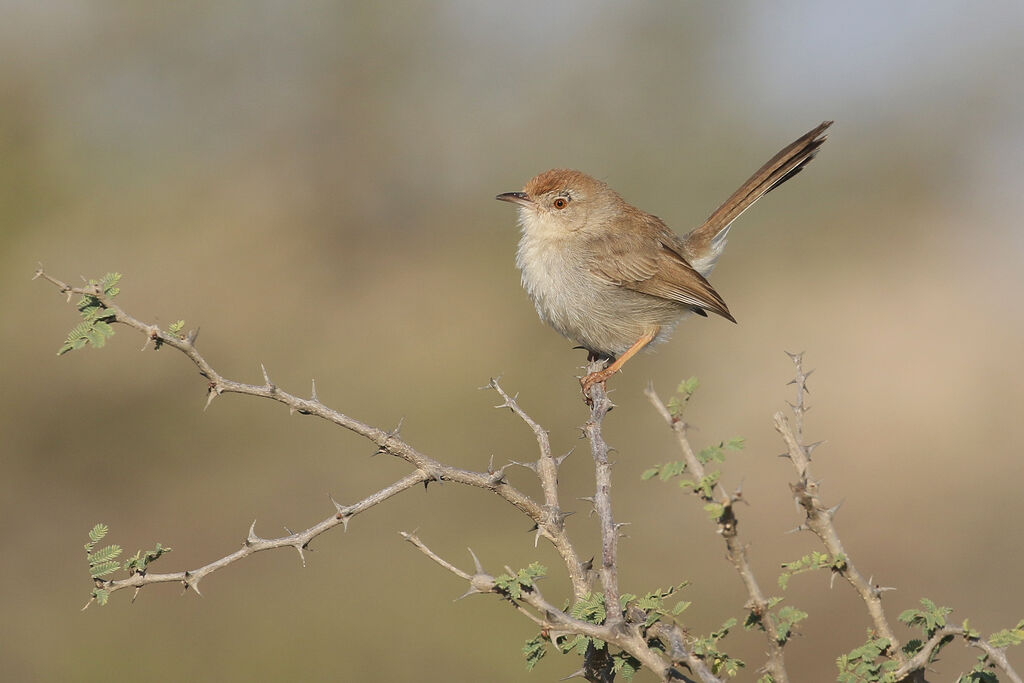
x: 735, y: 550
x: 386, y: 441
x: 920, y: 660
x: 254, y: 544
x: 546, y: 468
x: 819, y: 518
x: 557, y: 624
x: 600, y: 406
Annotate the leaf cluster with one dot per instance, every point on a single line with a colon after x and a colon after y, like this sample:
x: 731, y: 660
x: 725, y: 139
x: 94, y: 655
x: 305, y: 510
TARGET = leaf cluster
x: 684, y: 392
x: 862, y: 665
x: 96, y: 318
x: 103, y: 561
x: 513, y: 585
x: 706, y: 647
x: 814, y: 560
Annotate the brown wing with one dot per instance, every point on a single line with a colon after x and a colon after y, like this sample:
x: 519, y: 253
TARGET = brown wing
x: 651, y: 261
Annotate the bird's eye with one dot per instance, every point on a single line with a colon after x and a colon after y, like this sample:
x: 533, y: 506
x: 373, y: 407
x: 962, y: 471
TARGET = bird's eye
x: 561, y: 202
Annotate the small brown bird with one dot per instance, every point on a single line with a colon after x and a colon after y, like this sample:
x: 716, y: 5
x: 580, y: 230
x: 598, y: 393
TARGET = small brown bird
x: 614, y: 278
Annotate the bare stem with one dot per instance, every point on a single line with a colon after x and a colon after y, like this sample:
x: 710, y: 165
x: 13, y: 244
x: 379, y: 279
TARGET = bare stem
x: 546, y: 468
x: 254, y: 544
x: 728, y: 529
x: 819, y: 518
x: 602, y: 498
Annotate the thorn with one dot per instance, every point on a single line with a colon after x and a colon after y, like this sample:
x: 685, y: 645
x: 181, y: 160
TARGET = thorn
x: 528, y: 465
x: 191, y: 582
x: 579, y: 673
x: 832, y: 580
x: 490, y: 465
x: 492, y: 383
x: 561, y: 458
x: 212, y: 392
x: 811, y: 446
x: 266, y: 380
x: 554, y: 635
x: 314, y: 398
x: 396, y: 432
x: 588, y: 565
x: 831, y: 512
x: 302, y: 554
x: 252, y: 537
x: 191, y: 337
x: 476, y: 562
x: 337, y: 506
x: 802, y: 527
x: 536, y: 539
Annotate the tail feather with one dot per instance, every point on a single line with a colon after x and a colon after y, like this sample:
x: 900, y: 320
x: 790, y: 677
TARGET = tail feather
x: 706, y: 242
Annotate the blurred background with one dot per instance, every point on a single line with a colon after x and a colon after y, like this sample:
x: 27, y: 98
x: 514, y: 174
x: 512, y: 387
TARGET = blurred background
x: 312, y: 184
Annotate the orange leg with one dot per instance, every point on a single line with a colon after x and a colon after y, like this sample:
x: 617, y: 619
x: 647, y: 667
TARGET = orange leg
x: 602, y: 375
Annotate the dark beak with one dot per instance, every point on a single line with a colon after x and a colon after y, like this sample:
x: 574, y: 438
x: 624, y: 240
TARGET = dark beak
x: 516, y: 198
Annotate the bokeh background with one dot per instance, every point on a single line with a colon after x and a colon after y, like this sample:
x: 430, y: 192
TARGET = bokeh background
x: 312, y: 184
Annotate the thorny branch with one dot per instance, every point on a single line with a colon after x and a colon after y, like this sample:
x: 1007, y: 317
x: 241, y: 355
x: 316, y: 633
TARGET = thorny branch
x: 819, y: 521
x: 662, y: 647
x: 728, y: 529
x: 549, y: 517
x: 426, y: 469
x: 819, y: 518
x: 558, y: 624
x: 546, y: 468
x: 600, y: 405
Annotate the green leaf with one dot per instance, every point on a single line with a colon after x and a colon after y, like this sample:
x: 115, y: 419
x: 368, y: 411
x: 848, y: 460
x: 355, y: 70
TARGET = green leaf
x: 96, y: 534
x: 680, y: 607
x: 625, y: 664
x: 98, y: 569
x: 534, y: 651
x: 109, y: 284
x: 688, y: 387
x: 785, y: 619
x: 1008, y: 637
x: 104, y: 554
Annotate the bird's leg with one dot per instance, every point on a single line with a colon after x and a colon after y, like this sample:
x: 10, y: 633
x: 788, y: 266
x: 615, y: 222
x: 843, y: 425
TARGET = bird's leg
x: 602, y: 375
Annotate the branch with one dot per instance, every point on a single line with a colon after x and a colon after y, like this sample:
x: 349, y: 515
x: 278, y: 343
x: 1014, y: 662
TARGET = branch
x: 600, y: 405
x: 920, y: 660
x: 728, y: 529
x: 427, y: 469
x: 555, y: 623
x: 819, y: 518
x: 254, y: 544
x: 546, y: 469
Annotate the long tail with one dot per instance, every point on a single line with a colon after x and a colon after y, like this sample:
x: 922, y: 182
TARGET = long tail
x: 706, y: 242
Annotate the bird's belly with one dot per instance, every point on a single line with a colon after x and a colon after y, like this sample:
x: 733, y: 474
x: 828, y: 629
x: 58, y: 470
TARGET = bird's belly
x: 598, y: 315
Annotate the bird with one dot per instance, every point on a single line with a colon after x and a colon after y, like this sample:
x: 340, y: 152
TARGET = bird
x: 616, y: 279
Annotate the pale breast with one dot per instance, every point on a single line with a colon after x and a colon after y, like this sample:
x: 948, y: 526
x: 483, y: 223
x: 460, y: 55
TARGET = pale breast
x: 598, y: 315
